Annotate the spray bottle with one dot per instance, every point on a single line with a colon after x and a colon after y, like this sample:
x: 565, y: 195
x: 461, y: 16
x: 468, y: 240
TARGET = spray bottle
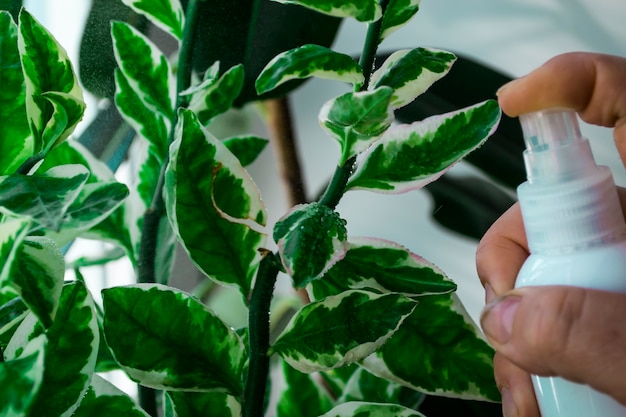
x: 576, y: 235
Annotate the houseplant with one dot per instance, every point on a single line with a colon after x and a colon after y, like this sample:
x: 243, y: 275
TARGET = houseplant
x: 373, y: 303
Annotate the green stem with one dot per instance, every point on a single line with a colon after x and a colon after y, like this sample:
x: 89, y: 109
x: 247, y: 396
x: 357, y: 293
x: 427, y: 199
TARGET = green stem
x: 25, y: 168
x: 146, y: 265
x: 259, y: 334
x: 337, y: 186
x: 371, y: 47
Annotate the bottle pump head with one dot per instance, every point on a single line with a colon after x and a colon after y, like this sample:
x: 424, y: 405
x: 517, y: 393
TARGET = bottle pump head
x: 568, y: 201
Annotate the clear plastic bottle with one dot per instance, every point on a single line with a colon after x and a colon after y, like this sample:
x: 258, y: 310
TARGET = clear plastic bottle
x: 576, y: 235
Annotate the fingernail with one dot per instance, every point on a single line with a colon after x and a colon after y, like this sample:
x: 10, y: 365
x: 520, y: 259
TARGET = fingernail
x: 497, y: 317
x: 505, y: 87
x: 490, y: 294
x: 509, y: 409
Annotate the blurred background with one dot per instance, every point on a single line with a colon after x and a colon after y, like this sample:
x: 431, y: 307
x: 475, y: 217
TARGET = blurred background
x: 511, y: 37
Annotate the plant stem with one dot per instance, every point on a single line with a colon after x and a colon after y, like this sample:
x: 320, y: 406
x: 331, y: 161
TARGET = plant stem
x: 259, y: 334
x: 337, y: 186
x: 371, y: 46
x: 146, y: 264
x: 284, y: 144
x: 27, y: 165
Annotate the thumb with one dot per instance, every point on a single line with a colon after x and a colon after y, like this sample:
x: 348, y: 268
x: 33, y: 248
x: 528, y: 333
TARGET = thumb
x: 575, y: 333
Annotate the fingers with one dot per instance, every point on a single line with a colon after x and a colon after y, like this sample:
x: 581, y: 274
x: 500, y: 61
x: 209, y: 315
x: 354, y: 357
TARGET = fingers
x: 572, y: 332
x: 591, y: 84
x: 501, y: 253
x: 515, y: 385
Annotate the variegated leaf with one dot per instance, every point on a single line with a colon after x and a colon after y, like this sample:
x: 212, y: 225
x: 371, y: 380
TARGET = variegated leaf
x: 193, y: 404
x: 21, y: 376
x: 154, y: 330
x: 364, y: 386
x: 311, y: 238
x: 341, y: 329
x: 439, y: 350
x: 301, y: 396
x: 356, y: 120
x: 12, y: 232
x: 364, y: 409
x: 38, y: 277
x: 16, y: 143
x: 361, y: 10
x: 382, y: 266
x: 54, y: 99
x: 144, y: 85
x: 166, y: 14
x: 214, y: 206
x: 308, y: 61
x: 397, y: 14
x: 104, y: 399
x: 246, y: 148
x: 216, y: 95
x: 408, y: 157
x: 411, y: 72
x: 12, y: 312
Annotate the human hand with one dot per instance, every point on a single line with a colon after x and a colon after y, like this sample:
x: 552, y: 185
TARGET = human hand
x: 554, y: 330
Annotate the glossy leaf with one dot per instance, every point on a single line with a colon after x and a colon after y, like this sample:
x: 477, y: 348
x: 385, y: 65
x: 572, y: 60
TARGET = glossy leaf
x: 382, y: 266
x: 193, y: 404
x: 21, y: 377
x: 361, y: 10
x: 70, y: 356
x: 363, y: 386
x: 44, y: 198
x: 341, y: 329
x: 311, y: 238
x: 397, y: 14
x: 411, y: 72
x: 216, y: 95
x: 408, y: 157
x: 308, y: 61
x: 153, y: 331
x: 54, y: 100
x: 356, y: 120
x: 364, y: 409
x: 12, y: 232
x: 246, y: 148
x: 302, y: 396
x: 439, y: 350
x: 166, y: 14
x: 15, y: 142
x: 144, y: 85
x: 38, y: 277
x: 104, y: 399
x: 12, y: 313
x: 214, y: 206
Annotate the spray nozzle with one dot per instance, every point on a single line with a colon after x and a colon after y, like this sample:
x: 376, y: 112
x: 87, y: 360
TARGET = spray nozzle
x: 555, y: 149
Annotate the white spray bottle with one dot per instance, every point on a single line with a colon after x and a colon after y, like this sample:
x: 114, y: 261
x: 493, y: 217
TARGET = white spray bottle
x: 576, y: 235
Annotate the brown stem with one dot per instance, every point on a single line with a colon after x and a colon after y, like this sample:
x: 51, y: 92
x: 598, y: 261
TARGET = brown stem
x: 284, y: 144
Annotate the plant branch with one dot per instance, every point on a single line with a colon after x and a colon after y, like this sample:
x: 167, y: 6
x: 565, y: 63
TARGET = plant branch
x: 337, y: 185
x: 371, y: 47
x: 259, y: 332
x: 284, y: 144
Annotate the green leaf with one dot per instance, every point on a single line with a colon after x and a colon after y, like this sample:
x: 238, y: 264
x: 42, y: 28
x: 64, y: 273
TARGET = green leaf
x: 363, y: 386
x: 246, y: 148
x: 382, y: 266
x: 12, y: 313
x: 397, y: 14
x: 341, y: 329
x: 308, y: 61
x: 54, y: 99
x: 144, y: 85
x: 12, y: 232
x: 361, y: 10
x: 311, y: 238
x: 411, y: 72
x: 38, y: 277
x: 43, y: 198
x: 215, y: 96
x: 439, y: 350
x: 70, y: 356
x: 302, y: 397
x: 408, y: 157
x: 21, y: 378
x: 214, y: 206
x: 166, y: 14
x: 208, y: 404
x: 103, y: 399
x: 356, y: 120
x: 167, y: 339
x: 16, y: 145
x: 363, y: 409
